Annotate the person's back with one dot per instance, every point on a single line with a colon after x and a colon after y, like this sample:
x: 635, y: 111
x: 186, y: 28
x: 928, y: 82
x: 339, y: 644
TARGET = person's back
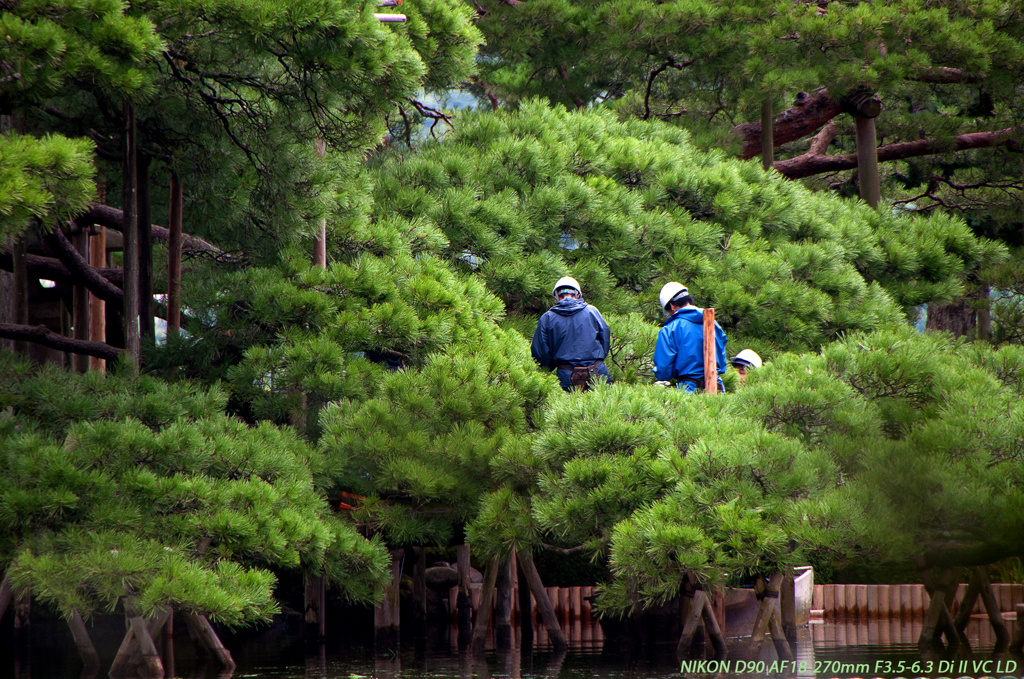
x: 679, y: 353
x: 572, y: 337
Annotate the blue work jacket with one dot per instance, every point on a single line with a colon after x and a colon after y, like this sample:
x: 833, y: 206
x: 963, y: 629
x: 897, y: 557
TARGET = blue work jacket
x: 680, y: 348
x: 572, y: 332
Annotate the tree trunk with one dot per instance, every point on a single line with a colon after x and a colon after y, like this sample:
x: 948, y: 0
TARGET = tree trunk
x: 146, y: 328
x: 957, y: 317
x: 98, y: 307
x: 320, y: 244
x: 129, y: 197
x: 710, y: 349
x: 525, y: 607
x: 419, y: 593
x: 6, y: 593
x: 541, y: 597
x: 174, y: 259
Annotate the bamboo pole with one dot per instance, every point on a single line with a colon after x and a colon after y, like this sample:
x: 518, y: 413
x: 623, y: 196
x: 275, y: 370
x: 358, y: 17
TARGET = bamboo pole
x: 541, y: 598
x: 710, y: 345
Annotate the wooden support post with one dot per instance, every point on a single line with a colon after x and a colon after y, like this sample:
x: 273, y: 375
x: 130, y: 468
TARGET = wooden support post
x: 483, y: 614
x: 128, y: 655
x: 714, y: 631
x: 315, y: 597
x: 525, y: 607
x: 787, y: 604
x: 146, y: 318
x: 767, y: 133
x: 209, y: 640
x: 692, y: 615
x: 1017, y: 644
x: 543, y: 603
x: 130, y: 230
x: 174, y: 258
x: 782, y: 647
x: 867, y: 161
x: 419, y: 593
x: 86, y: 649
x: 503, y: 606
x: 320, y: 244
x: 6, y: 593
x: 167, y: 643
x: 150, y: 657
x: 387, y: 614
x: 97, y: 307
x: 465, y: 600
x: 995, y: 616
x: 23, y: 611
x: 19, y: 301
x: 710, y: 347
x: 765, y: 612
x: 81, y: 316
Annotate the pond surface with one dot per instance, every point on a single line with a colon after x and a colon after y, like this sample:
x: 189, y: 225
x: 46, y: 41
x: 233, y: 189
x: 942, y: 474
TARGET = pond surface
x: 886, y: 649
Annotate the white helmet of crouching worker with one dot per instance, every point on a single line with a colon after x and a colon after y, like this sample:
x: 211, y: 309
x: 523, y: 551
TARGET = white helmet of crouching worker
x: 747, y: 358
x: 566, y: 284
x: 669, y: 292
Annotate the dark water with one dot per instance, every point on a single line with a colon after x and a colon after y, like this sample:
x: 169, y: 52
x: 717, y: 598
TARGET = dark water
x: 886, y: 649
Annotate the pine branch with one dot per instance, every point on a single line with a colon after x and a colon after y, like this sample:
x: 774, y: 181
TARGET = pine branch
x: 40, y: 334
x: 809, y: 165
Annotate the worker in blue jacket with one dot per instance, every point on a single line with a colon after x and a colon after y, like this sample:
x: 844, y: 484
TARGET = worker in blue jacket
x: 679, y: 353
x: 572, y: 338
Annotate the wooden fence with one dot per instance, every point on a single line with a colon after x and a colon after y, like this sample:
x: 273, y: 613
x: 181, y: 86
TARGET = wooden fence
x: 901, y: 602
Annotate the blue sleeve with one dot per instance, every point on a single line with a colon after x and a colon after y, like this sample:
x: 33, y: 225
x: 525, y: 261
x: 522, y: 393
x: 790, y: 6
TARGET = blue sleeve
x: 664, y: 355
x: 539, y: 348
x: 720, y: 354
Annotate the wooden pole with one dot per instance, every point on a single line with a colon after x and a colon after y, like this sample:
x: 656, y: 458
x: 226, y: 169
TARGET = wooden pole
x: 146, y: 319
x: 525, y: 607
x: 128, y: 654
x: 995, y: 616
x: 419, y: 593
x: 167, y: 643
x: 867, y: 161
x: 6, y: 594
x: 19, y: 272
x: 465, y: 599
x: 82, y: 314
x: 315, y: 596
x: 86, y: 649
x: 483, y: 614
x: 208, y: 638
x: 1018, y: 636
x: 503, y: 606
x: 691, y: 619
x: 541, y: 597
x: 320, y: 244
x: 132, y: 340
x: 150, y: 657
x: 174, y: 259
x: 767, y: 134
x: 710, y: 346
x: 97, y: 307
x: 387, y: 615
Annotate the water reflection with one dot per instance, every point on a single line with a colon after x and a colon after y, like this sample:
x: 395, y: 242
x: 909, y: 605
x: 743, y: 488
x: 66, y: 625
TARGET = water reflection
x: 823, y: 649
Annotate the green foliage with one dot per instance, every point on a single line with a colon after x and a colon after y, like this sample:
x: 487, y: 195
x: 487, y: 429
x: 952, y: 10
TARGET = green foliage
x: 135, y: 489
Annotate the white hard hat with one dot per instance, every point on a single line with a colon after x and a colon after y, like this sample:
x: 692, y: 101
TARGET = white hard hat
x: 747, y: 357
x: 566, y: 282
x: 669, y: 292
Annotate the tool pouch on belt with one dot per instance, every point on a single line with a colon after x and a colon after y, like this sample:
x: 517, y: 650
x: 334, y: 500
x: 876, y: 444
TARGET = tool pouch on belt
x: 581, y: 375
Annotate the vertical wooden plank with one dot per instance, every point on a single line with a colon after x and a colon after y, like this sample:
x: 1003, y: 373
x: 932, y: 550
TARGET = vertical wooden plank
x: 840, y: 599
x: 894, y: 602
x: 817, y: 598
x: 98, y: 307
x: 710, y: 361
x: 862, y: 602
x: 872, y: 601
x: 882, y: 602
x: 916, y: 605
x: 828, y: 600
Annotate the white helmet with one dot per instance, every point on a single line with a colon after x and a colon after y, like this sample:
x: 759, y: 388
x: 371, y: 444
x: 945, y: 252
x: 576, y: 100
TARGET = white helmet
x: 747, y: 357
x: 669, y: 292
x: 566, y: 282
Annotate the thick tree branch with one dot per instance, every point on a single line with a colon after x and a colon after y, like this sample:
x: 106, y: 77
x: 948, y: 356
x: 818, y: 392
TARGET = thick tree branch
x: 74, y: 261
x: 808, y: 114
x: 42, y: 335
x: 808, y: 165
x: 942, y: 75
x: 112, y: 218
x: 51, y: 269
